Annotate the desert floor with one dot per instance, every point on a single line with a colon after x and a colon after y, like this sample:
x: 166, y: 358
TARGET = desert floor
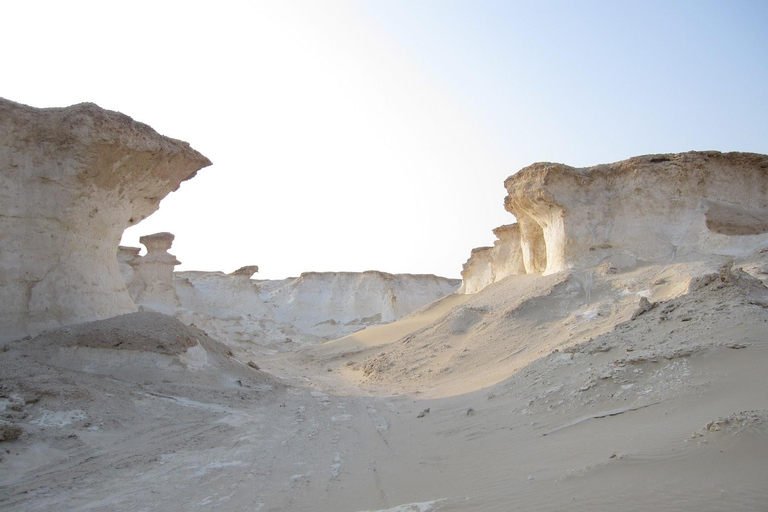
x: 562, y: 392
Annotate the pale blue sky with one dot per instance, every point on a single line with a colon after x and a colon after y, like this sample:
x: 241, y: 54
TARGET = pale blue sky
x: 585, y: 82
x: 377, y: 134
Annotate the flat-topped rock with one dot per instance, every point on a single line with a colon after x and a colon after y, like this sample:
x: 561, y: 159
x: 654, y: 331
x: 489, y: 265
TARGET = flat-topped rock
x: 152, y: 284
x: 652, y: 208
x: 614, y: 217
x: 157, y: 242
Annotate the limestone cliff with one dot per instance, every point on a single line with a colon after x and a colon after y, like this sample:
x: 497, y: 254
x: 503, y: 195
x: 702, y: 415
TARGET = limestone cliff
x: 355, y: 299
x: 651, y: 208
x: 221, y: 295
x: 248, y: 313
x: 648, y: 209
x: 72, y: 180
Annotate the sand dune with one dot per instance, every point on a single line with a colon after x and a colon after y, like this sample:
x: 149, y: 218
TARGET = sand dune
x: 596, y: 410
x: 389, y: 333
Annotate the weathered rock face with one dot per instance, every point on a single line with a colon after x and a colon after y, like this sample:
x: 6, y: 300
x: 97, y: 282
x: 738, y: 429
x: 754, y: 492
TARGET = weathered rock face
x: 314, y: 307
x: 152, y: 282
x: 646, y: 209
x: 355, y: 298
x: 507, y: 254
x: 221, y: 295
x: 487, y: 265
x: 477, y: 272
x: 127, y: 257
x: 72, y: 180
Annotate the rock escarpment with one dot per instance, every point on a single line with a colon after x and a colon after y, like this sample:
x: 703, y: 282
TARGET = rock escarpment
x: 314, y: 307
x: 354, y: 299
x: 648, y: 209
x: 221, y: 295
x: 72, y: 180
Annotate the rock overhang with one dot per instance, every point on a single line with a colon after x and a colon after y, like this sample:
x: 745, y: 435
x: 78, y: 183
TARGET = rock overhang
x: 73, y: 179
x: 647, y: 209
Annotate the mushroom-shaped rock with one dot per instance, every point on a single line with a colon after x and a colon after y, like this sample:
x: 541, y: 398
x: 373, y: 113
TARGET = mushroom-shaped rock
x: 152, y: 285
x: 646, y: 209
x: 158, y: 246
x: 72, y: 180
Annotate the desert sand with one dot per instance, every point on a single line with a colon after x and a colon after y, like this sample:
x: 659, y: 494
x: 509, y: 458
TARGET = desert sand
x: 606, y: 359
x: 580, y: 407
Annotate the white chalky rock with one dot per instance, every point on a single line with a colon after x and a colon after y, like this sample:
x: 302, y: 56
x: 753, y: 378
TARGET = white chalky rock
x: 648, y: 209
x: 152, y: 284
x: 651, y: 208
x: 72, y: 180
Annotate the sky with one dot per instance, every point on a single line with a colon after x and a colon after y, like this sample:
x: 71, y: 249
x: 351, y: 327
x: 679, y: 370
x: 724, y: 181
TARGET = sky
x: 376, y: 135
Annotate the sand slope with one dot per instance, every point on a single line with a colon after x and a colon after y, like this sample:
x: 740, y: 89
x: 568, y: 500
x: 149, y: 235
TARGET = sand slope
x: 563, y: 401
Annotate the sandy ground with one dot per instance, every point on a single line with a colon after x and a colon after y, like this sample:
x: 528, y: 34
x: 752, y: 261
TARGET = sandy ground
x: 574, y: 391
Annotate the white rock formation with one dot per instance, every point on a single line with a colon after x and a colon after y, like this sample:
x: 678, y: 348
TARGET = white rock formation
x: 152, y: 284
x: 486, y: 265
x: 311, y: 308
x: 648, y: 209
x: 507, y: 254
x: 651, y: 208
x: 221, y: 295
x: 318, y: 300
x: 477, y: 272
x: 72, y: 180
x: 127, y: 257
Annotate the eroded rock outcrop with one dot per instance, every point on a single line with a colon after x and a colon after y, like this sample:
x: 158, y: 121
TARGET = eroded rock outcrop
x: 653, y: 208
x: 507, y: 255
x: 72, y: 180
x: 127, y: 257
x: 248, y: 313
x: 613, y: 217
x: 477, y: 272
x: 487, y: 265
x: 152, y: 282
x: 319, y: 301
x: 221, y: 295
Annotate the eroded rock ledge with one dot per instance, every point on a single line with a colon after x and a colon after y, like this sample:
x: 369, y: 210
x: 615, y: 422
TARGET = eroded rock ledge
x: 653, y: 208
x: 72, y: 180
x: 487, y: 265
